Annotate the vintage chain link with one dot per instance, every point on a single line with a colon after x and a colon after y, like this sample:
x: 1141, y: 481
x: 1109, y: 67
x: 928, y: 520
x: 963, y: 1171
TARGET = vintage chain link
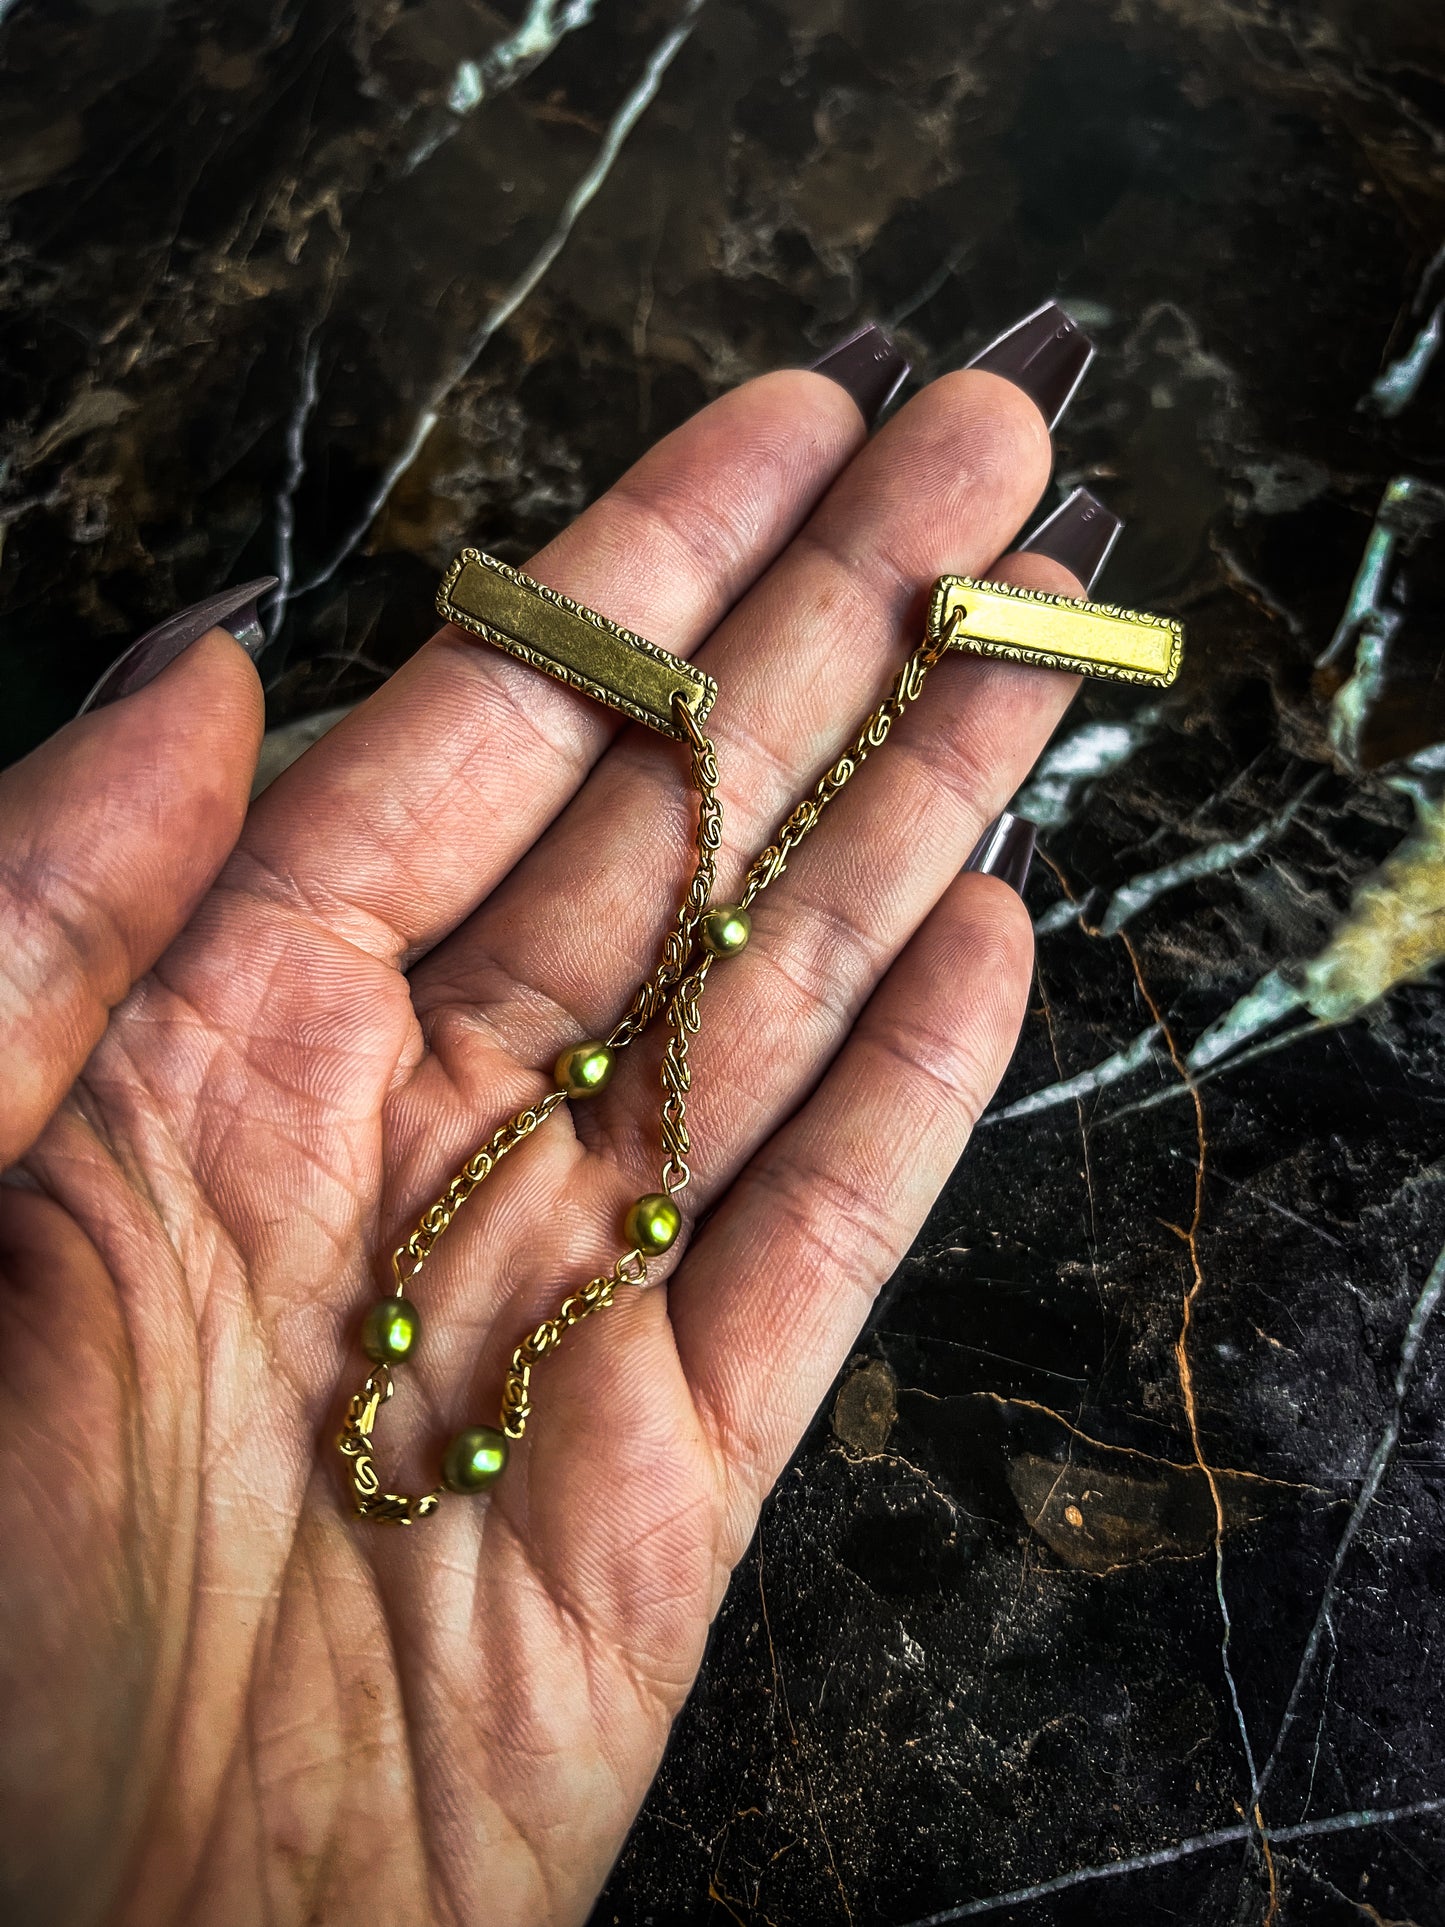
x: 630, y: 1269
x: 678, y: 946
x: 480, y: 1166
x: 766, y: 868
x: 391, y: 1508
x: 768, y: 865
x: 682, y: 1023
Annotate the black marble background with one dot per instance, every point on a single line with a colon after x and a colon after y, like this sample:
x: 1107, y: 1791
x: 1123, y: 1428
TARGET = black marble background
x: 1112, y: 1582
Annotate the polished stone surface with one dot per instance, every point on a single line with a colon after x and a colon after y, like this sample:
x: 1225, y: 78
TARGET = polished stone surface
x: 1123, y: 1535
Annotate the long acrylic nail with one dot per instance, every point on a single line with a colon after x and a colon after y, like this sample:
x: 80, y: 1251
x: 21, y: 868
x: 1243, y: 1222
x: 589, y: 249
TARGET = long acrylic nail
x: 1080, y: 534
x: 1045, y: 354
x: 234, y: 610
x: 870, y: 365
x: 1006, y: 849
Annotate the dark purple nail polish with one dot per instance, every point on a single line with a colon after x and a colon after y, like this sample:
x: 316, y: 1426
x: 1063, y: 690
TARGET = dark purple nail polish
x: 1080, y: 534
x: 1045, y: 354
x: 869, y: 365
x: 234, y: 610
x: 1006, y: 849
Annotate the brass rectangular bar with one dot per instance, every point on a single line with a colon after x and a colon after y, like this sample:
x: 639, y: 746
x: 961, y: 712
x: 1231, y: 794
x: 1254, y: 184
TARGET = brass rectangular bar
x: 1055, y: 632
x: 573, y: 643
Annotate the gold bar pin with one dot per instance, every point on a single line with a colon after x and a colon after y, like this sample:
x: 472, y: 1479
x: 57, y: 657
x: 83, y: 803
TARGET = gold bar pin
x: 1055, y: 632
x: 573, y: 643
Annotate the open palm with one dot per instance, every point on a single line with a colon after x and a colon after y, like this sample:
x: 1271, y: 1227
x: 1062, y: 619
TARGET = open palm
x: 228, y: 1699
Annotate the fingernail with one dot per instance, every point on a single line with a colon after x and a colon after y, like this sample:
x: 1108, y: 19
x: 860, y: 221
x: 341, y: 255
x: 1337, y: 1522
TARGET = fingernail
x: 1045, y: 354
x: 234, y: 610
x: 1080, y: 534
x: 1006, y: 849
x: 870, y: 365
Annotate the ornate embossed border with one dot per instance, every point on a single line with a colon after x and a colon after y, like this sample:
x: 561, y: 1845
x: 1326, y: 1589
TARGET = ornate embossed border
x: 1049, y: 659
x: 707, y: 688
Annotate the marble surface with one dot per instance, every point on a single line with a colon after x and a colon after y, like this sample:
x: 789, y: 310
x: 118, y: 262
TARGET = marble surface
x: 1111, y: 1582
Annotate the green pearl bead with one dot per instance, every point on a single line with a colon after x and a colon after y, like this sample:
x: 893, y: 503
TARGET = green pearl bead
x: 652, y: 1224
x: 583, y: 1069
x: 391, y: 1330
x: 475, y: 1459
x: 726, y: 931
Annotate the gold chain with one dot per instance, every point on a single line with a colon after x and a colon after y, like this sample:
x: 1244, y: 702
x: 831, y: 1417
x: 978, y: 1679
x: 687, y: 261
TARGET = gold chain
x: 630, y: 1269
x: 768, y: 865
x: 667, y: 986
x: 671, y: 985
x: 678, y: 945
x: 480, y: 1166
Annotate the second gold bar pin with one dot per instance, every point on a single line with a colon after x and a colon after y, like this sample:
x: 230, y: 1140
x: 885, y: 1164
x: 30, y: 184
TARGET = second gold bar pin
x: 1055, y: 632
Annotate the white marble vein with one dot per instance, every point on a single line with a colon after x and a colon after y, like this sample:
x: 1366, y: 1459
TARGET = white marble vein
x: 623, y: 122
x: 1421, y: 1313
x: 1123, y: 1063
x: 541, y: 30
x: 285, y: 562
x: 1398, y: 383
x: 1139, y: 892
x: 1066, y: 767
x: 1365, y: 1817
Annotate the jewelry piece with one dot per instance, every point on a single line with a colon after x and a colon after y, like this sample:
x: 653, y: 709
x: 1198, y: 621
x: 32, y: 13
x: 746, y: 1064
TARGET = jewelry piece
x: 634, y: 677
x: 1056, y: 632
x: 574, y: 644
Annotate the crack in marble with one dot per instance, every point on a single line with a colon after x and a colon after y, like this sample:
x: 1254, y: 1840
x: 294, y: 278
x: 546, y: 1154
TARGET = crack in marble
x: 1273, y: 1204
x: 1358, y: 1821
x: 1254, y: 590
x: 781, y: 1687
x: 585, y: 190
x: 1189, y: 1235
x: 1361, y: 1907
x: 1421, y: 1313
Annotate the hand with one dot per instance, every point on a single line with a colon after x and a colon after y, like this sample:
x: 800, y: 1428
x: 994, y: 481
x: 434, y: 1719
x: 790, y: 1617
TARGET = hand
x: 242, y: 1051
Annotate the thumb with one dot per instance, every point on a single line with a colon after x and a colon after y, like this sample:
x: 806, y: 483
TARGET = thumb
x: 110, y: 832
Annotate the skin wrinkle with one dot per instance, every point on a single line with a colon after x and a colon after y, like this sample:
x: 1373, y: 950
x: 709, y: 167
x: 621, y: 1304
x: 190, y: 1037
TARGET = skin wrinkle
x: 658, y: 1704
x: 41, y: 902
x: 435, y: 1873
x: 699, y: 539
x: 242, y: 1268
x: 700, y: 532
x: 259, y: 879
x: 502, y: 1745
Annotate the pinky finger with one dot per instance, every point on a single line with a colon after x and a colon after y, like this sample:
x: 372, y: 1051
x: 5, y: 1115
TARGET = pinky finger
x: 777, y: 1284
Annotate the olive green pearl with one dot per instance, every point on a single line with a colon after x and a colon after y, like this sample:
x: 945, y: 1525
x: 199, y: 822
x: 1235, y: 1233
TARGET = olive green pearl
x: 726, y: 931
x: 391, y: 1330
x: 583, y: 1069
x: 652, y: 1224
x: 475, y: 1459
